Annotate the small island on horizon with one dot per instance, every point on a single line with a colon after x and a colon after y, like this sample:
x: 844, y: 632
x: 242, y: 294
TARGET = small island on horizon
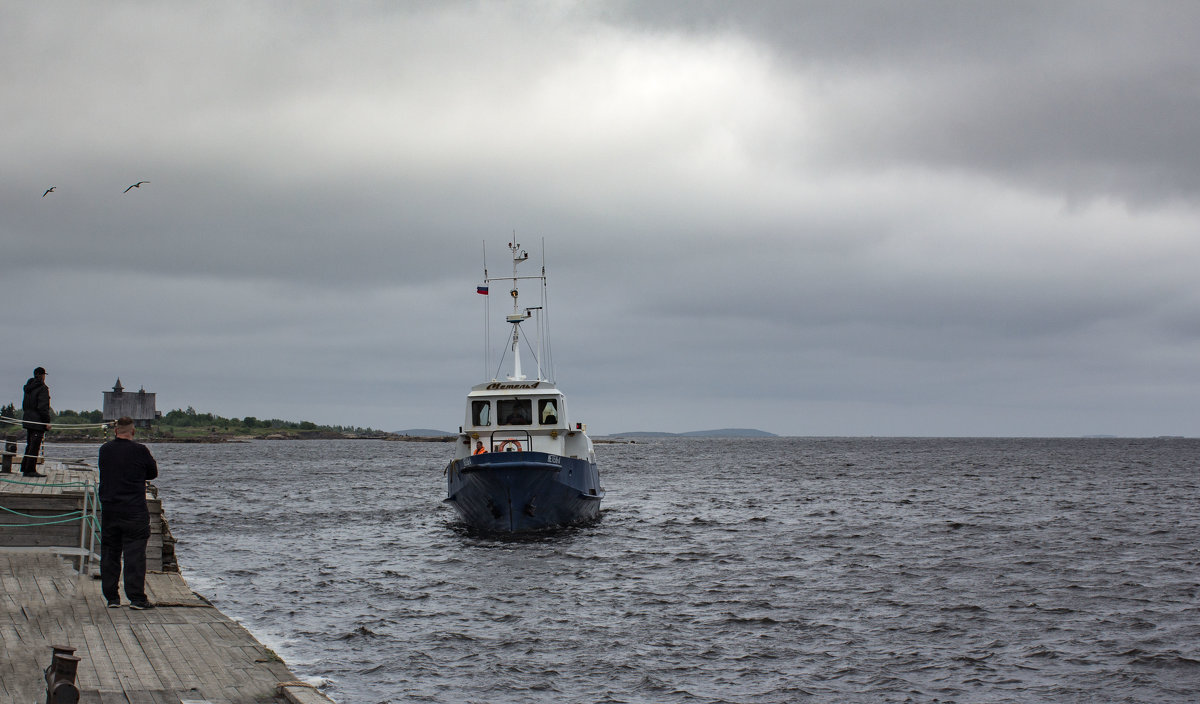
x: 720, y: 433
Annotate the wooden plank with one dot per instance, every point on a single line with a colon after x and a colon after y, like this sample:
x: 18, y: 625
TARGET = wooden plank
x: 172, y: 674
x: 44, y: 585
x: 49, y: 502
x: 169, y: 588
x: 146, y: 673
x: 84, y: 611
x: 203, y: 650
x: 189, y: 647
x: 93, y: 642
x: 161, y: 696
x: 120, y: 660
x: 8, y: 673
x: 244, y: 674
x: 242, y: 679
x: 175, y: 662
x: 303, y: 694
x: 39, y: 537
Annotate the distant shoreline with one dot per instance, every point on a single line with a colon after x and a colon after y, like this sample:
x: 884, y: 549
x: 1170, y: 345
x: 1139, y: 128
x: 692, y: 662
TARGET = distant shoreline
x: 219, y: 439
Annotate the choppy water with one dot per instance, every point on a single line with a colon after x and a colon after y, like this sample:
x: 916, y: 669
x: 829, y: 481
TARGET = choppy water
x: 788, y: 570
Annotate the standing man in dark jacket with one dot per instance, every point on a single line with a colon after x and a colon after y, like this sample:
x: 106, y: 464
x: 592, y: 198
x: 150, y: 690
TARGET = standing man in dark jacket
x: 35, y: 412
x: 125, y: 467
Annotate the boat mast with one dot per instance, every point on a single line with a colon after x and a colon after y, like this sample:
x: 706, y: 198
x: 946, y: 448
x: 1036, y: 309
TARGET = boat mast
x: 519, y: 314
x: 519, y: 255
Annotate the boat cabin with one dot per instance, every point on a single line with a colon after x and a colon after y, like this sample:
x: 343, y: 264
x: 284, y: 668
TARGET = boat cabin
x: 515, y: 411
x: 515, y: 416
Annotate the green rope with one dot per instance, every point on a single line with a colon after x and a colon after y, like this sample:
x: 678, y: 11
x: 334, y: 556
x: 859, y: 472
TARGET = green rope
x: 70, y: 517
x: 64, y: 484
x: 47, y: 523
x: 38, y: 515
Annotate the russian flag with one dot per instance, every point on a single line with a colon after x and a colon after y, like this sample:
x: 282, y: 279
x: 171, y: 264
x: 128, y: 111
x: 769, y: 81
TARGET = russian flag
x: 481, y: 289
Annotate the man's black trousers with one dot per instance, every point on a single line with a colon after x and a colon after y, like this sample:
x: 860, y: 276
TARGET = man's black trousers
x: 33, y: 445
x: 123, y: 536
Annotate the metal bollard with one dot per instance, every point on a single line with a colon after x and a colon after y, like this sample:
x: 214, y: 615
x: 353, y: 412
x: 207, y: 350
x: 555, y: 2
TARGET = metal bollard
x: 60, y: 676
x: 10, y: 449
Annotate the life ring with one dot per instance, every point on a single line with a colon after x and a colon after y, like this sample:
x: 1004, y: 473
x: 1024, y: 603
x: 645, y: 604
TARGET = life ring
x: 504, y: 445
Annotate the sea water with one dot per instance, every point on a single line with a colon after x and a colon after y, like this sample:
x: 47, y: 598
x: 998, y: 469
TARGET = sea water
x: 778, y: 570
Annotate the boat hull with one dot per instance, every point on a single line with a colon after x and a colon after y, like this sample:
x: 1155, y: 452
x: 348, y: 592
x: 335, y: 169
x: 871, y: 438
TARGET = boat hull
x: 512, y: 492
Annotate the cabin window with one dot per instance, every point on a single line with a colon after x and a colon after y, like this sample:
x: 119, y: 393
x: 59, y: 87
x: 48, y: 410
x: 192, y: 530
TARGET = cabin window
x: 547, y: 412
x: 481, y: 412
x: 517, y: 411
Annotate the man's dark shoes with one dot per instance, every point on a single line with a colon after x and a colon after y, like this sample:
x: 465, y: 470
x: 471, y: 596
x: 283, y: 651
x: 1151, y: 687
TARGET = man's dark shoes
x: 33, y: 474
x: 115, y: 604
x: 140, y: 605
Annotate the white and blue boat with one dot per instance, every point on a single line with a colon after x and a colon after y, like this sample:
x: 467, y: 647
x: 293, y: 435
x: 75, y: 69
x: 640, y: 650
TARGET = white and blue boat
x: 521, y: 464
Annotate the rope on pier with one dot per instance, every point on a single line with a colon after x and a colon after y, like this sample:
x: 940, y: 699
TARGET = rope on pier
x: 34, y: 515
x: 72, y: 426
x: 67, y: 462
x: 70, y: 517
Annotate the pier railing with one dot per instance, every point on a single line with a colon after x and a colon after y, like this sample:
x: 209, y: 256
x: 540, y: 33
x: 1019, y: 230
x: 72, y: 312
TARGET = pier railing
x: 40, y: 515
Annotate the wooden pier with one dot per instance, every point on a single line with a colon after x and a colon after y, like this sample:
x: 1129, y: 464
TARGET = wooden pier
x: 185, y: 651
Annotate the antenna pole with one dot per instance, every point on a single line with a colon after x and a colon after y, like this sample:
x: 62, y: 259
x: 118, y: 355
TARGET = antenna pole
x: 487, y: 331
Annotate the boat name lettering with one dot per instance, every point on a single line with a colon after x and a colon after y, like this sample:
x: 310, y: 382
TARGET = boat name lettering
x: 554, y: 459
x: 498, y: 385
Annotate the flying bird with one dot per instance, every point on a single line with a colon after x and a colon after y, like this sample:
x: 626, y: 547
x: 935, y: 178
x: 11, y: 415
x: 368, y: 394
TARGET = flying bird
x: 136, y: 185
x: 49, y: 190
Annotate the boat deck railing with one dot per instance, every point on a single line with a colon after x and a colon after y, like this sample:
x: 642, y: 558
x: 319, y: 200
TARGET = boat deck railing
x: 510, y: 441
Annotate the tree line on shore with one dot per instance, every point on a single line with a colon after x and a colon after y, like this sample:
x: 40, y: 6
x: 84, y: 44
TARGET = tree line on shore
x: 190, y: 423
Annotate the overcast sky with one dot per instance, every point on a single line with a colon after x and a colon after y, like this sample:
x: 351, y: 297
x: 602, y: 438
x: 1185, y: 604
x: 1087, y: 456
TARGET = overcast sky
x: 811, y: 218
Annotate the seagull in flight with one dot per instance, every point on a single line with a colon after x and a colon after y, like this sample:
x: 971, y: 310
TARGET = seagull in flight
x: 136, y: 185
x: 49, y: 191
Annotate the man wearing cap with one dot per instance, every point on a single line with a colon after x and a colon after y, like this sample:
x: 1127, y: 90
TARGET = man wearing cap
x: 125, y: 467
x: 35, y: 414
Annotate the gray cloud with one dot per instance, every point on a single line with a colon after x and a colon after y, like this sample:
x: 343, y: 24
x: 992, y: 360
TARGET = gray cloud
x: 1085, y: 99
x: 813, y: 218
